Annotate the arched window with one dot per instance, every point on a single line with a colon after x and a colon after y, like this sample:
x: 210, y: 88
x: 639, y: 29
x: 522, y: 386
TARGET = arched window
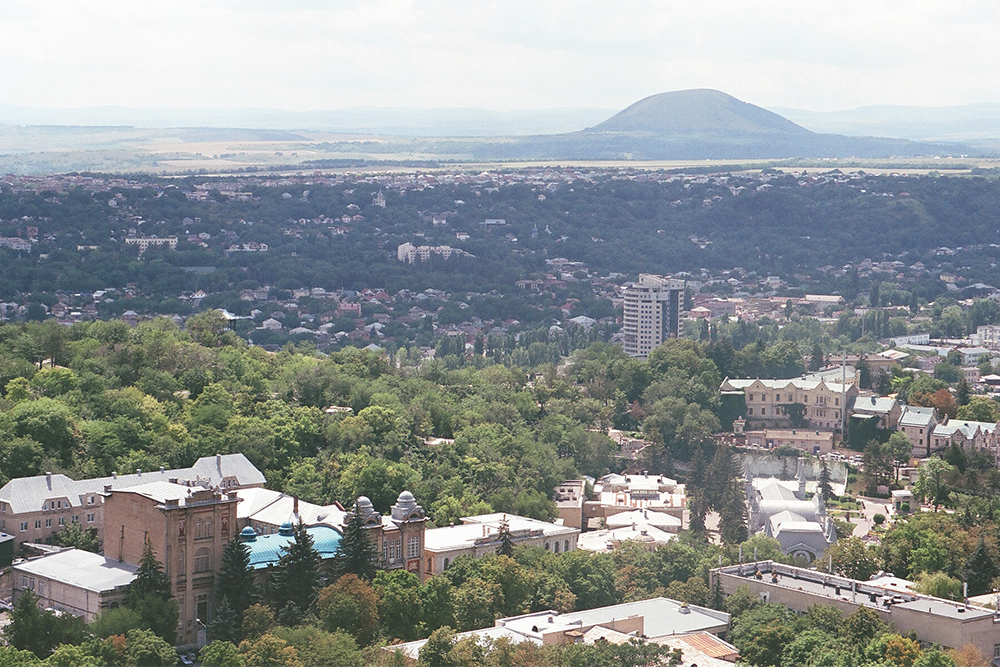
x: 446, y: 563
x: 557, y: 546
x: 566, y: 546
x: 546, y: 546
x: 203, y: 560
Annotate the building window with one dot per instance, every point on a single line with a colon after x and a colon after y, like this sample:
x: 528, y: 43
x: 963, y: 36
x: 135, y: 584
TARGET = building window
x: 181, y: 525
x: 62, y: 521
x: 763, y: 411
x: 202, y: 561
x: 41, y: 588
x: 24, y: 582
x: 413, y: 547
x: 24, y: 526
x: 90, y: 500
x: 38, y: 523
x: 182, y: 565
x: 750, y: 411
x: 566, y: 546
x: 75, y: 519
x: 48, y: 523
x: 446, y: 563
x: 90, y: 518
x: 557, y: 546
x: 749, y: 397
x: 203, y: 528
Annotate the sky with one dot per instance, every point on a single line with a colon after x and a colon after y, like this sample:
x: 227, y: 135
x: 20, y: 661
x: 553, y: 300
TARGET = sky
x: 502, y: 55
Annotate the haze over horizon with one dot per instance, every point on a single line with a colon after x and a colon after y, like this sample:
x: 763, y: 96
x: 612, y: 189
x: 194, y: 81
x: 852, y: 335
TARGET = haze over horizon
x: 308, y: 55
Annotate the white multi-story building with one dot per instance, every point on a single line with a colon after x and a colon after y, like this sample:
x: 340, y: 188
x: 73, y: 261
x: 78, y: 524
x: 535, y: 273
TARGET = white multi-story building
x: 652, y: 313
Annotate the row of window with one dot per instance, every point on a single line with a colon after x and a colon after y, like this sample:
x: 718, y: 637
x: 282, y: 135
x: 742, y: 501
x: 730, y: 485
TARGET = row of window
x: 61, y: 521
x: 59, y: 504
x: 392, y: 549
x: 791, y: 398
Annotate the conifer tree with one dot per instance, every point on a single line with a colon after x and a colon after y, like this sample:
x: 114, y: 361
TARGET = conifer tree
x: 506, y: 547
x: 825, y: 489
x: 236, y: 580
x: 150, y: 596
x: 149, y: 578
x: 357, y: 553
x: 296, y: 577
x: 980, y: 569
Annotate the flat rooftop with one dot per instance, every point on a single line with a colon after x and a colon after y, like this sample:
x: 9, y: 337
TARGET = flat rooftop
x: 80, y: 569
x: 874, y: 594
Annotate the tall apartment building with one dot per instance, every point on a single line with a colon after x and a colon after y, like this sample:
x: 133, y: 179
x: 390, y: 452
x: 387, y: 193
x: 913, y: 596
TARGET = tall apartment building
x: 652, y: 313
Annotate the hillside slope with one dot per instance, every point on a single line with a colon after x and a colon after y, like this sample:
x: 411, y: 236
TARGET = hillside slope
x: 699, y: 111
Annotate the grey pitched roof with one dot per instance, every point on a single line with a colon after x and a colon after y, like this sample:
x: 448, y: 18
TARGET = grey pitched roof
x: 916, y: 416
x: 874, y: 405
x: 28, y: 494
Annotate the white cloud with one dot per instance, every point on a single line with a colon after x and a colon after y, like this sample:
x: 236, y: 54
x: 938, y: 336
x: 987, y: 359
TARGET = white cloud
x: 499, y: 54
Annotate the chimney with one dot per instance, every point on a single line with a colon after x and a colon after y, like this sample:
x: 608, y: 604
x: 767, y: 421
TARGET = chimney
x: 295, y: 505
x: 138, y: 471
x: 161, y: 470
x: 48, y: 479
x: 114, y: 475
x: 218, y: 460
x: 107, y: 488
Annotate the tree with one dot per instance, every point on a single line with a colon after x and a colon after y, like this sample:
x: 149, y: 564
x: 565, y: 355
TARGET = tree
x: 878, y: 462
x: 296, y: 577
x: 400, y: 608
x: 816, y: 359
x: 149, y: 578
x: 939, y: 585
x: 980, y: 569
x: 144, y: 647
x: 270, y: 651
x: 506, y: 547
x: 75, y: 535
x: 32, y: 629
x: 150, y: 596
x: 236, y: 589
x: 436, y: 603
x: 852, y: 558
x: 319, y: 648
x: 931, y: 482
x: 980, y: 409
x: 221, y: 654
x: 349, y: 604
x: 257, y: 620
x: 437, y: 650
x: 825, y: 488
x: 962, y: 392
x: 900, y: 449
x: 356, y: 552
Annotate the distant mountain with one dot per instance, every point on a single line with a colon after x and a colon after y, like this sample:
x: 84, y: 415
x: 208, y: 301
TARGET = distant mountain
x: 970, y: 122
x: 706, y: 124
x: 394, y: 121
x: 696, y: 112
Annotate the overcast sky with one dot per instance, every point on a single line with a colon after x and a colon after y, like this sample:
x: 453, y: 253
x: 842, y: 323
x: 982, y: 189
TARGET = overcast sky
x: 500, y: 55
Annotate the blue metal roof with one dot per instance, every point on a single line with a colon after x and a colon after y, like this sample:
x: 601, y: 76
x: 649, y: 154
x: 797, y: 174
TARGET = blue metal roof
x: 265, y: 550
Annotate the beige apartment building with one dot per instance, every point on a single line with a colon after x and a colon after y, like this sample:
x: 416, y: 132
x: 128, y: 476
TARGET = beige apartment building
x: 33, y: 508
x: 771, y: 402
x: 652, y: 313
